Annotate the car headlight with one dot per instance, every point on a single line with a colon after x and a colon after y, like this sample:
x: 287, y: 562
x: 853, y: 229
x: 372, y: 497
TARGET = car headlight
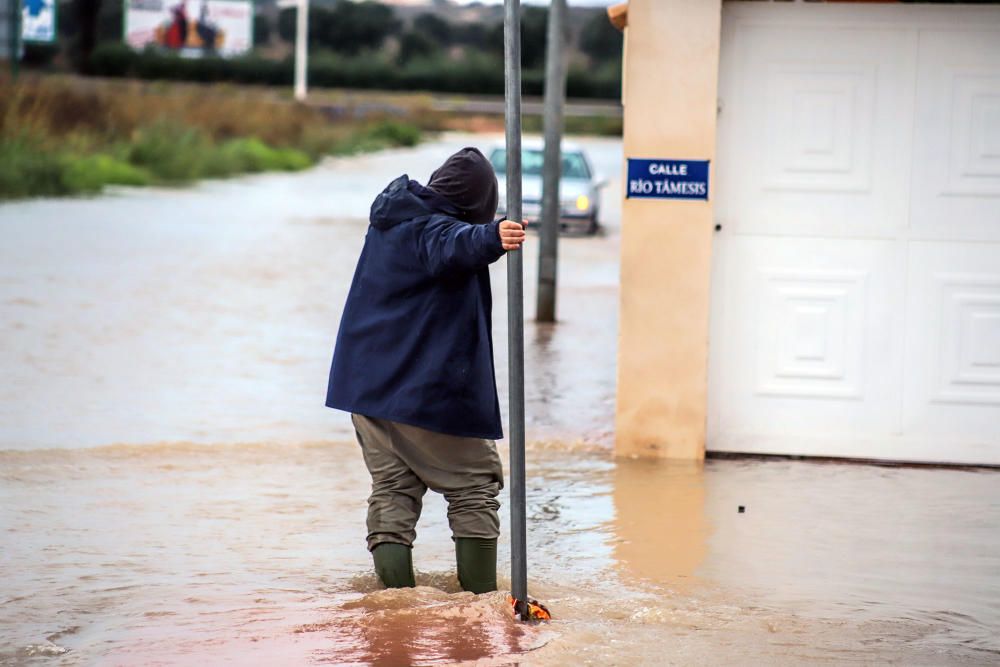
x: 582, y: 203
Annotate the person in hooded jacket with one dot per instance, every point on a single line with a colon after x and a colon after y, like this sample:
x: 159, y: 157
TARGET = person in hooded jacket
x: 413, y: 364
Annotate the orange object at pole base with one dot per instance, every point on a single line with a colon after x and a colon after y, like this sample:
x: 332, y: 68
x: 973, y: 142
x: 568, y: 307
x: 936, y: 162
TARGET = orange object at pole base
x: 529, y: 610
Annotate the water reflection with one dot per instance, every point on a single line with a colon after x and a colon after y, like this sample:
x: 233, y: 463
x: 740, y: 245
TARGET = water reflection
x: 181, y: 554
x: 425, y: 625
x: 660, y: 524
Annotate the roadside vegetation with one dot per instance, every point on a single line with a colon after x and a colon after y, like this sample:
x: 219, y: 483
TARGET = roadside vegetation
x: 137, y: 117
x: 436, y: 46
x: 478, y: 73
x: 58, y: 137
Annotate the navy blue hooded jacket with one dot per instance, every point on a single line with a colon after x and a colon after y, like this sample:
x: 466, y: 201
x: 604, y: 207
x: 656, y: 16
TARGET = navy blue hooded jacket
x: 415, y: 343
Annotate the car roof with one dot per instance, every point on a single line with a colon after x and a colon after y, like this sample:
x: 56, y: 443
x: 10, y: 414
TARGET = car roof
x: 537, y: 144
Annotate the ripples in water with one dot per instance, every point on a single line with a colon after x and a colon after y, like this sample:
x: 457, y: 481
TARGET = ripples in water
x: 185, y: 553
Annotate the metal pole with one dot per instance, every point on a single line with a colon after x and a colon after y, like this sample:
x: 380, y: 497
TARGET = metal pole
x: 555, y: 96
x: 301, y: 48
x: 13, y: 21
x: 515, y: 301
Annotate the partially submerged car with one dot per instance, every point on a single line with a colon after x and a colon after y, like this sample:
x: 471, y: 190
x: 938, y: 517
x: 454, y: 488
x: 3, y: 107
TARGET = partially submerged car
x: 579, y: 187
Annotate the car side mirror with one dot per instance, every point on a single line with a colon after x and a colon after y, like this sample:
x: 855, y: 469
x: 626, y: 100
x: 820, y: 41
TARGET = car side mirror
x: 600, y: 182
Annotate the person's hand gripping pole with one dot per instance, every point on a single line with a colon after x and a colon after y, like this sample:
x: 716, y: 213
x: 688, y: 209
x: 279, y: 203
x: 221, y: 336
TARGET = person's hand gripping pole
x: 512, y: 234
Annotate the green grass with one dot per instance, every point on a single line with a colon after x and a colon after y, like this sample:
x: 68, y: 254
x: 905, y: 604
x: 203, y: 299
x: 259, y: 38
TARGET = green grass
x: 606, y: 126
x: 253, y: 155
x: 60, y: 138
x: 91, y: 173
x: 168, y: 153
x: 172, y: 152
x: 395, y: 133
x: 26, y: 171
x: 383, y: 134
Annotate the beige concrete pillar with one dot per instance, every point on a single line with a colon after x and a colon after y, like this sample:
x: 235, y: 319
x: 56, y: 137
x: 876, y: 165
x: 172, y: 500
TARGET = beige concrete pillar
x: 669, y: 95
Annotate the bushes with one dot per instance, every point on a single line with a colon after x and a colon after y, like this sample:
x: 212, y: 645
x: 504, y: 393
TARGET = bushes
x: 176, y: 154
x: 476, y: 73
x: 25, y: 170
x: 160, y: 153
x: 29, y: 168
x: 115, y: 59
x: 375, y: 136
x: 253, y: 155
x: 64, y: 136
x: 395, y: 133
x: 92, y: 172
x: 172, y: 151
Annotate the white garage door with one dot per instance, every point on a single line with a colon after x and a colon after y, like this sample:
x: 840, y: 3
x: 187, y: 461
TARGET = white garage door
x: 856, y: 286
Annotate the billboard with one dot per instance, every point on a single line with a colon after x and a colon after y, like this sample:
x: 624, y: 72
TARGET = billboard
x: 190, y: 27
x: 38, y: 21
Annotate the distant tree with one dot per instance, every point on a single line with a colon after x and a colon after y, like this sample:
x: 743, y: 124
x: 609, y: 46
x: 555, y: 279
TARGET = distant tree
x: 413, y: 44
x: 534, y: 27
x: 493, y: 39
x: 347, y: 27
x: 471, y: 34
x: 600, y: 40
x: 286, y: 24
x: 110, y: 22
x: 533, y: 30
x: 67, y: 21
x: 435, y: 27
x: 353, y: 27
x: 85, y: 13
x: 262, y: 29
x: 39, y: 55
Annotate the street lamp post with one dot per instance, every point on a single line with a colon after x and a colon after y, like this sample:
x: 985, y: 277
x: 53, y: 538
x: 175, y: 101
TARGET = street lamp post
x: 10, y: 34
x: 301, y: 43
x: 301, y: 48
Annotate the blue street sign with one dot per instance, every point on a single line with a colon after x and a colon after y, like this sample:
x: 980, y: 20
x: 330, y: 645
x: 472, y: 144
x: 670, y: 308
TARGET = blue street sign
x: 667, y: 179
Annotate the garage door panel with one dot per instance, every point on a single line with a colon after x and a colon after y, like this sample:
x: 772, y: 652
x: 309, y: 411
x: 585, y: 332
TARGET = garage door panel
x: 956, y: 178
x: 856, y: 308
x: 819, y: 128
x: 953, y: 347
x: 807, y: 337
x: 821, y: 124
x: 812, y: 319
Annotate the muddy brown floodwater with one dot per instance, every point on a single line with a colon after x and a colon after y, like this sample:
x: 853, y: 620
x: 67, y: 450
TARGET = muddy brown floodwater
x: 172, y: 491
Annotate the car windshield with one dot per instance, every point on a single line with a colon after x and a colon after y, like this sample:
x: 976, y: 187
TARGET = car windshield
x: 573, y: 164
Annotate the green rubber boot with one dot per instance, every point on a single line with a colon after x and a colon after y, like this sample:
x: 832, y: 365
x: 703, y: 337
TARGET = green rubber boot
x: 394, y: 565
x: 477, y: 563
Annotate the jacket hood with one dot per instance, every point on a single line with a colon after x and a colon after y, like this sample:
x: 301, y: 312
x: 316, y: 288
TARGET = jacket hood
x: 468, y: 181
x: 405, y: 199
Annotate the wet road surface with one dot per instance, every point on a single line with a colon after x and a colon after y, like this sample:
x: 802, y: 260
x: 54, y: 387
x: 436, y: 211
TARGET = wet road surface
x: 210, y: 313
x: 172, y: 490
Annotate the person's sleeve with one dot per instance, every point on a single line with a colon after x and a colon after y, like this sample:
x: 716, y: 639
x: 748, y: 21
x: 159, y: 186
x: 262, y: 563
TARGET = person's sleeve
x: 448, y: 245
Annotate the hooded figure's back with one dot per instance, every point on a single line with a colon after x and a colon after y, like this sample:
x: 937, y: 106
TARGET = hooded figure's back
x: 415, y: 342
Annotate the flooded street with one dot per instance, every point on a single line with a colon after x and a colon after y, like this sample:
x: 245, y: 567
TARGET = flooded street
x: 209, y: 314
x: 173, y: 492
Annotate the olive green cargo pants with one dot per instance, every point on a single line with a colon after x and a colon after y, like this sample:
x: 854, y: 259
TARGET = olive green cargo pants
x: 404, y: 461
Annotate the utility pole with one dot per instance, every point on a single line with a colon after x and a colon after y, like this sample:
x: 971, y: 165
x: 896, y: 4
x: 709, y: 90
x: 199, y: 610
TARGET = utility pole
x: 301, y: 43
x: 301, y: 49
x: 515, y: 301
x: 555, y: 98
x: 10, y: 34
